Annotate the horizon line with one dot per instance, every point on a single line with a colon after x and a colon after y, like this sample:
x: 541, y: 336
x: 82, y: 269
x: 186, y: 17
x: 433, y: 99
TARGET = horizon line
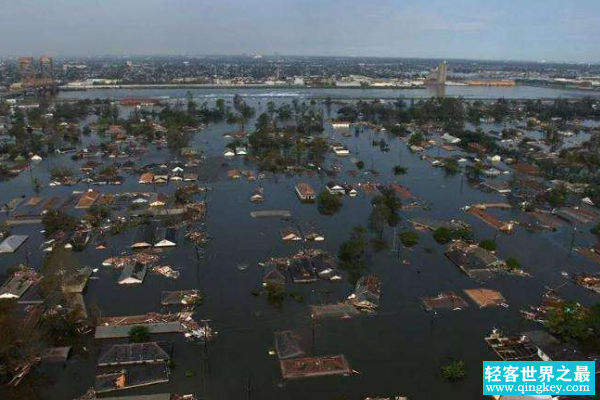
x: 271, y: 55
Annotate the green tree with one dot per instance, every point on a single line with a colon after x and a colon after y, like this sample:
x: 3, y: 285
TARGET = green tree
x: 176, y: 139
x: 445, y: 234
x: 557, y: 197
x: 454, y: 371
x: 513, y: 264
x: 318, y: 148
x: 387, y: 205
x: 451, y: 166
x: 409, y: 238
x: 488, y: 244
x: 416, y: 139
x: 352, y: 254
x: 400, y: 170
x: 55, y: 220
x: 571, y: 321
x: 328, y: 203
x: 139, y: 334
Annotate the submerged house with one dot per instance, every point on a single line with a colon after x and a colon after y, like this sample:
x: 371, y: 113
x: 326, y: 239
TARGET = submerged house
x: 134, y: 353
x: 146, y: 178
x: 165, y: 237
x: 311, y: 233
x: 131, y: 377
x: 158, y: 200
x: 305, y: 192
x: 12, y: 243
x: 144, y: 237
x: 486, y: 297
x: 273, y: 277
x: 289, y: 233
x: 444, y: 300
x: 473, y: 260
x: 302, y: 270
x: 19, y: 283
x: 287, y: 345
x: 334, y: 188
x: 78, y: 281
x: 133, y: 273
x: 88, y: 199
x: 258, y: 196
x: 514, y: 348
x: 234, y: 173
x: 308, y: 367
x: 340, y: 151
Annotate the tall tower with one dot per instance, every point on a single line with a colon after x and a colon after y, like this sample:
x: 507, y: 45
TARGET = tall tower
x: 46, y: 67
x: 438, y: 75
x: 442, y: 73
x: 26, y: 68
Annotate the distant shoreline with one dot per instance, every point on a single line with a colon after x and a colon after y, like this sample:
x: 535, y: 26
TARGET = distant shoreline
x: 257, y: 86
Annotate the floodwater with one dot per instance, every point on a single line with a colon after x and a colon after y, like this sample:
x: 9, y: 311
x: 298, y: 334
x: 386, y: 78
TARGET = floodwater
x: 398, y: 351
x: 467, y: 92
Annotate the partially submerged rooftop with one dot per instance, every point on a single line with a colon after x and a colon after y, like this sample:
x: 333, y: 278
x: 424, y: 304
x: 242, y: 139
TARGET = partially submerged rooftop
x: 314, y: 367
x: 12, y: 243
x: 135, y: 353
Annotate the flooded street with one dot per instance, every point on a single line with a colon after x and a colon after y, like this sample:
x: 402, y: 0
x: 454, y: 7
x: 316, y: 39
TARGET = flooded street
x: 397, y: 351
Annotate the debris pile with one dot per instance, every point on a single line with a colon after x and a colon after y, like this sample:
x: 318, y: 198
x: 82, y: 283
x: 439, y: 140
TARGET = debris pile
x: 145, y: 258
x: 166, y: 271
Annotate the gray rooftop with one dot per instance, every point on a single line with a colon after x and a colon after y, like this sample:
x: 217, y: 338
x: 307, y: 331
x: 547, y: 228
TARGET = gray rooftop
x: 12, y: 243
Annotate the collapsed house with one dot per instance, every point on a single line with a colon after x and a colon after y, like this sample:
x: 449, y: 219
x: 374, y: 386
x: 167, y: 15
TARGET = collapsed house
x: 444, y: 301
x: 550, y: 302
x: 590, y: 282
x: 19, y: 283
x: 514, y: 348
x: 536, y: 345
x: 333, y: 311
x: 132, y: 377
x: 366, y: 294
x: 183, y: 297
x: 309, y: 367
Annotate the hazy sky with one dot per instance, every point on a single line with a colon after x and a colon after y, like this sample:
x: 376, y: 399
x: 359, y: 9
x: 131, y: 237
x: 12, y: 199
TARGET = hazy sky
x: 553, y: 30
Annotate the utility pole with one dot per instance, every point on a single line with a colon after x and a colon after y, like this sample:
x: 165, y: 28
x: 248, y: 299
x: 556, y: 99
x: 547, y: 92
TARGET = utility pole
x: 312, y: 332
x: 249, y: 388
x: 205, y: 334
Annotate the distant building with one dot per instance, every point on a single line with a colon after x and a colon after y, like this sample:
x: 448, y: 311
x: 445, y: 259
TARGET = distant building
x: 26, y: 68
x: 46, y: 66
